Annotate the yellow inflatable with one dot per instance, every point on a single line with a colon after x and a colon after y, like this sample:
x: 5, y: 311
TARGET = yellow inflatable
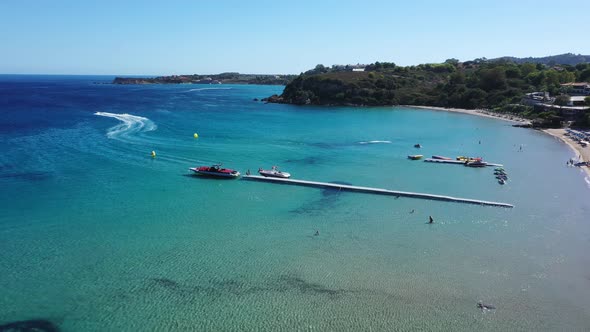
x: 153, y: 154
x: 196, y: 135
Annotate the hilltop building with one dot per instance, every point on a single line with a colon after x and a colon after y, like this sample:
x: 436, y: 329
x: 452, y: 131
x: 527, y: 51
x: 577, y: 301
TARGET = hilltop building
x: 536, y: 98
x: 580, y: 88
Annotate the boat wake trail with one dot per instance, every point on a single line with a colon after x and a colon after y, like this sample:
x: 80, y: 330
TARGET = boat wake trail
x: 375, y: 142
x: 203, y: 89
x: 130, y: 124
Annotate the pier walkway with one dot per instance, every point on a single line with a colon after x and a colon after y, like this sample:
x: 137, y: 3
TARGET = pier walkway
x: 456, y: 162
x: 376, y: 191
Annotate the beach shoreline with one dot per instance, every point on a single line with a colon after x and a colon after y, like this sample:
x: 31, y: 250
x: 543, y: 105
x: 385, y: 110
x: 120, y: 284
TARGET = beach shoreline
x: 477, y: 112
x: 557, y: 133
x: 577, y: 149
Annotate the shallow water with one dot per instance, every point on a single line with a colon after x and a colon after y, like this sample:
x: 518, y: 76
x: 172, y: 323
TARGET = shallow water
x: 97, y: 235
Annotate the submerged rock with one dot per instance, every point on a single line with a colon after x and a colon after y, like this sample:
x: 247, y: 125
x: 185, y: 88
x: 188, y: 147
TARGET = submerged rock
x: 32, y: 325
x: 484, y: 306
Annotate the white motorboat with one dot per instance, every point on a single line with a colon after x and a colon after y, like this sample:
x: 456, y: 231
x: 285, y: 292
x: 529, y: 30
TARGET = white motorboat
x: 274, y: 172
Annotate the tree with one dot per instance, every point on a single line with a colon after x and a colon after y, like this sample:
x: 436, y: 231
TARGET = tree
x: 493, y: 79
x: 585, y: 75
x: 452, y: 61
x: 562, y: 100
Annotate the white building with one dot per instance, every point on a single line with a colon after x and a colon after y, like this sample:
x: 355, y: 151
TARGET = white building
x: 580, y: 88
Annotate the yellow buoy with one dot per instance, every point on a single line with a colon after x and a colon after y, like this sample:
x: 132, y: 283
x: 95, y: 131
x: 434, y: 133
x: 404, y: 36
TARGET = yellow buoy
x: 196, y: 135
x: 153, y: 154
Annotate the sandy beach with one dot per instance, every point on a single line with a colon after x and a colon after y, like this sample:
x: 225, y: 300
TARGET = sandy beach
x: 479, y: 112
x: 577, y: 148
x: 557, y: 133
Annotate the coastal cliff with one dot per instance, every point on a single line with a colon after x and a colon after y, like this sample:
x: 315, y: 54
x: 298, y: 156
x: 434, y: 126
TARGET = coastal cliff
x: 497, y: 85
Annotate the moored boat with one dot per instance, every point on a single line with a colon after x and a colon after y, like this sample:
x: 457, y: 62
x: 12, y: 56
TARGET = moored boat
x: 274, y: 172
x: 502, y: 181
x: 464, y: 158
x: 476, y: 163
x: 216, y: 170
x: 415, y: 156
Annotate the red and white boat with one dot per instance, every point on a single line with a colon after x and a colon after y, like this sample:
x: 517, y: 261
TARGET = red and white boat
x: 216, y: 170
x: 274, y: 172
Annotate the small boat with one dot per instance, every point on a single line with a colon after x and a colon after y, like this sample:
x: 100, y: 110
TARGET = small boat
x: 415, y: 156
x: 476, y: 163
x: 463, y: 158
x: 499, y: 169
x: 274, y: 172
x: 505, y: 177
x: 441, y: 158
x: 216, y: 170
x: 502, y: 181
x: 417, y: 146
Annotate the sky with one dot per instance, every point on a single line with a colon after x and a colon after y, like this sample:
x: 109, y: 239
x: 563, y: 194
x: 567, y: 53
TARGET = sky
x: 130, y: 37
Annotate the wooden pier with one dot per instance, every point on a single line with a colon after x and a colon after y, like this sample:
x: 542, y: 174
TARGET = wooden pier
x: 376, y: 191
x: 456, y: 162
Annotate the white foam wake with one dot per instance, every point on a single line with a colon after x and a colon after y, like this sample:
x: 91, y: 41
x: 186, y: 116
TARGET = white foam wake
x: 375, y: 142
x: 202, y: 89
x: 130, y: 124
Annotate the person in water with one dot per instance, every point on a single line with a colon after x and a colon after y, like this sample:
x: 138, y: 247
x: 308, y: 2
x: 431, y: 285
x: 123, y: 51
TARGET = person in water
x: 317, y: 233
x: 430, y: 220
x: 412, y: 211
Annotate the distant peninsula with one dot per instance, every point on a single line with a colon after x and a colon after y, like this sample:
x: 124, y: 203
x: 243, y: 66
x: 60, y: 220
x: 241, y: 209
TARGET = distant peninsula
x: 223, y: 78
x: 494, y: 84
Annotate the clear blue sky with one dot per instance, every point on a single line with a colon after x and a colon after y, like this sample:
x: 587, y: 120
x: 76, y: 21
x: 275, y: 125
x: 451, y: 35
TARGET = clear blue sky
x: 184, y: 37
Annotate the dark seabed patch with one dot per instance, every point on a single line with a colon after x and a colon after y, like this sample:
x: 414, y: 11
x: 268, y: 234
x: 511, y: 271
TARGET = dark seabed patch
x: 288, y: 282
x: 327, y: 201
x: 166, y: 283
x: 231, y: 287
x: 324, y: 145
x: 32, y: 325
x: 305, y: 161
x: 27, y: 176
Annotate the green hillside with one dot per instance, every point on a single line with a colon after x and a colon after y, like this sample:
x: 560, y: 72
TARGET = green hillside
x: 472, y: 84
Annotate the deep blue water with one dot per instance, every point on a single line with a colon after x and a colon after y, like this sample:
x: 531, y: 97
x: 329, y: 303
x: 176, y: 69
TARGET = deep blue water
x: 97, y: 235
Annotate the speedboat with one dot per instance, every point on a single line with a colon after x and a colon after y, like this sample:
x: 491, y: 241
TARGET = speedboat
x: 501, y: 181
x: 216, y: 170
x: 274, y: 172
x: 441, y: 158
x: 476, y: 163
x: 415, y: 156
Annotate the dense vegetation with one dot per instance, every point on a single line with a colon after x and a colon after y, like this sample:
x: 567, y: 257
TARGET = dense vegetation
x: 498, y: 84
x: 225, y: 78
x: 566, y: 59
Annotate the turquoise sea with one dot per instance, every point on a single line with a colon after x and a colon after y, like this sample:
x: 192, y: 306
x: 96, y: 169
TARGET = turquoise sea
x: 95, y: 235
